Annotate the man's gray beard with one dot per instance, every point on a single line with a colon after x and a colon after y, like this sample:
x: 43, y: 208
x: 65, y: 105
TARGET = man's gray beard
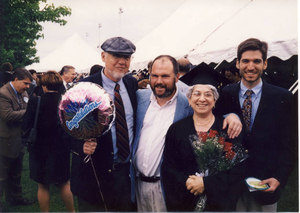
x: 116, y: 75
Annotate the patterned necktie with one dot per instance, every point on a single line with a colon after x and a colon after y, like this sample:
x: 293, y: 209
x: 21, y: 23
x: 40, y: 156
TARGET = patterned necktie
x: 19, y: 96
x: 247, y: 109
x: 121, y: 127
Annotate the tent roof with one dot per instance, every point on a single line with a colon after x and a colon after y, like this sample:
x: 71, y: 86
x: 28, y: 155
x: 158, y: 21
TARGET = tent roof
x: 210, y: 30
x: 74, y: 51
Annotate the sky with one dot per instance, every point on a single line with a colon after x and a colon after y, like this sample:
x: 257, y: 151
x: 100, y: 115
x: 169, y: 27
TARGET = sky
x: 139, y: 18
x: 175, y: 27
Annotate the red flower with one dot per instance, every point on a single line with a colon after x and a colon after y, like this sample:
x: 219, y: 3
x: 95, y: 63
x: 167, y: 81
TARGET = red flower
x: 221, y: 140
x: 230, y: 154
x: 203, y: 136
x: 212, y: 133
x: 227, y: 146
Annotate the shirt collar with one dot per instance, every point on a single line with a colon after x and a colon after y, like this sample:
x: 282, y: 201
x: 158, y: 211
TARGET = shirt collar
x: 13, y: 88
x: 153, y: 98
x: 256, y: 89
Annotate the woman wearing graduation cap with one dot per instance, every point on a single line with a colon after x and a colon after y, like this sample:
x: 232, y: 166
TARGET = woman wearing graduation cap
x: 182, y: 184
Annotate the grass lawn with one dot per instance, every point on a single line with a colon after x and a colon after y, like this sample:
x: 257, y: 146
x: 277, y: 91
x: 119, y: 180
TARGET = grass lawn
x: 30, y: 192
x: 289, y: 201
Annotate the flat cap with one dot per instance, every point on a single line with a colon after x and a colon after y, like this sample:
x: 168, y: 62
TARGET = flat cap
x: 118, y: 45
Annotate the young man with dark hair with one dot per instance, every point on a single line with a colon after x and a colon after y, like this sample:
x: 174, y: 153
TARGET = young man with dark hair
x: 265, y: 111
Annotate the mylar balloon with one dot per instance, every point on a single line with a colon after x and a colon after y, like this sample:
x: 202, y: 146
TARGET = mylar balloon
x: 86, y: 111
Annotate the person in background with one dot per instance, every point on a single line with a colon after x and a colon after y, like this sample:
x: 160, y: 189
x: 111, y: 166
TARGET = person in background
x: 111, y: 157
x: 143, y: 79
x: 13, y: 99
x: 34, y: 81
x: 95, y: 69
x: 6, y: 73
x: 68, y: 74
x: 184, y: 67
x: 7, y: 77
x: 265, y: 111
x: 232, y: 73
x: 49, y: 157
x: 38, y: 90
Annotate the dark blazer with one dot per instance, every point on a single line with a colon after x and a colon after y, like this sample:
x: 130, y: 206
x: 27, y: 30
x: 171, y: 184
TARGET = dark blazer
x: 269, y: 143
x: 11, y: 116
x: 83, y: 181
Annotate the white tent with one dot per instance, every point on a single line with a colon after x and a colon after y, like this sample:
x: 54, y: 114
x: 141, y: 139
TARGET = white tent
x: 210, y: 30
x: 74, y: 51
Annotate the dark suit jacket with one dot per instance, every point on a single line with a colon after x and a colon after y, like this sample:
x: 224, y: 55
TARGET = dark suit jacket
x: 269, y: 142
x: 11, y: 116
x: 83, y: 182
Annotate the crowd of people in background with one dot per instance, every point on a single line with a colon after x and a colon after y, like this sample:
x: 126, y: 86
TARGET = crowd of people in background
x: 150, y: 166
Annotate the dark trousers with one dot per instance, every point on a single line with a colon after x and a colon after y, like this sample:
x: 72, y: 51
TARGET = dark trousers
x: 10, y: 177
x: 117, y: 197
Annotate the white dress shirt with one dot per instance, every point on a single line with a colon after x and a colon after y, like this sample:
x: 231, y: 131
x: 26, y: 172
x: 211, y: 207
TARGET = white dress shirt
x: 66, y: 84
x: 152, y: 140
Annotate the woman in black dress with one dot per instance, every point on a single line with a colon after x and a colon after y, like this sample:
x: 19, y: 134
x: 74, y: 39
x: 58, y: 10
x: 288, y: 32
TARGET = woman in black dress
x: 49, y: 157
x: 181, y: 186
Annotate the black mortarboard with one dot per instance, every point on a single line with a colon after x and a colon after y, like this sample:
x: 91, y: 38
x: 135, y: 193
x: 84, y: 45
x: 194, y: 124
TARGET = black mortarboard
x: 118, y: 45
x: 203, y: 74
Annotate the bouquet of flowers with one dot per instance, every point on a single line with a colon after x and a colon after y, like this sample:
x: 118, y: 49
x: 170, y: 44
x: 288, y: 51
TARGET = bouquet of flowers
x: 214, y: 155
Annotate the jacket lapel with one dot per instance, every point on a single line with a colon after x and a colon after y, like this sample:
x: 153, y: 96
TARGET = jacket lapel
x: 262, y: 106
x: 181, y: 110
x: 143, y: 104
x: 13, y: 95
x: 131, y: 93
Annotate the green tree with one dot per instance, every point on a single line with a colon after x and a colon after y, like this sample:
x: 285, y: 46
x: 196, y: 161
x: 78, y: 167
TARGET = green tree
x: 20, y: 28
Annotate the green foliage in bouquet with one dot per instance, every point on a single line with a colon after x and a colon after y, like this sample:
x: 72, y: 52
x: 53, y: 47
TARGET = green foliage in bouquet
x: 214, y: 154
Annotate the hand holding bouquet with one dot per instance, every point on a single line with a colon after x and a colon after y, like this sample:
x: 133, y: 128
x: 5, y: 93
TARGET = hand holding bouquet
x: 213, y: 155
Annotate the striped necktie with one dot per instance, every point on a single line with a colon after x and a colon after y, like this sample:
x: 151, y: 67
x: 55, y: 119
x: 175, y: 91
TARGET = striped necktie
x: 121, y: 127
x: 19, y: 96
x: 247, y: 109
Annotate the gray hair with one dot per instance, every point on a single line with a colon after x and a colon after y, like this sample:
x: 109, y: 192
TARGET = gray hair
x: 213, y: 89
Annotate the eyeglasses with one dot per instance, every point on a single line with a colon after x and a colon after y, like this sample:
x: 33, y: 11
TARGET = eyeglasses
x: 206, y: 94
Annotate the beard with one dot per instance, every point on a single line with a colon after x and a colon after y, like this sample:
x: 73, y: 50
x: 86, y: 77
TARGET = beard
x: 168, y: 90
x: 116, y: 75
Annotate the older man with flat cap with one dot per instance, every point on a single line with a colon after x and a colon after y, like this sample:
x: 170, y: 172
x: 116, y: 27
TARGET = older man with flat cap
x: 104, y: 185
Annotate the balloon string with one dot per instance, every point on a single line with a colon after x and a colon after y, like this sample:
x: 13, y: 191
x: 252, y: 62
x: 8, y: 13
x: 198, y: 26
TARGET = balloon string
x: 87, y: 159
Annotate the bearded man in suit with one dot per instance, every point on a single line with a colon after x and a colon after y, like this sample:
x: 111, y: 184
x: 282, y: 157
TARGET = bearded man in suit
x: 105, y: 184
x: 13, y: 99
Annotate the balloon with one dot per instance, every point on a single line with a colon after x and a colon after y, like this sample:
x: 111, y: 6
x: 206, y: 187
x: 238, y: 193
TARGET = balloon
x: 86, y: 111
